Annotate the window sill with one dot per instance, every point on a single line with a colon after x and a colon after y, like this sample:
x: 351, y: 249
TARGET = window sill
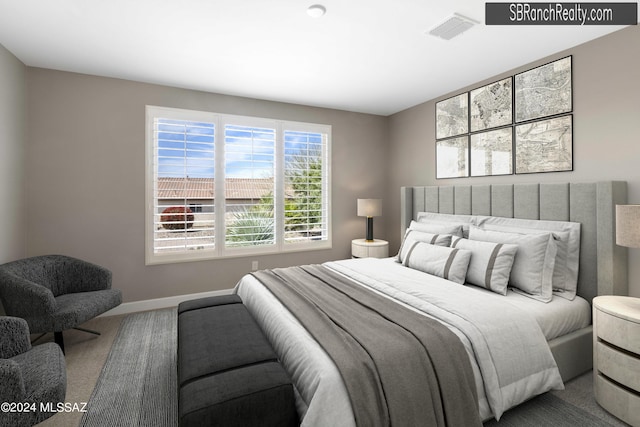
x: 230, y: 253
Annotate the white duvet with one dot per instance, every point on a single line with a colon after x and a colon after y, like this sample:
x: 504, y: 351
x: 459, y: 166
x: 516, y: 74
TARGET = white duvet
x: 507, y: 349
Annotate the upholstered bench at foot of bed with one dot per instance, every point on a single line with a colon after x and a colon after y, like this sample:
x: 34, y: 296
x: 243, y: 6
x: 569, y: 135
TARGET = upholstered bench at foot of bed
x: 228, y: 374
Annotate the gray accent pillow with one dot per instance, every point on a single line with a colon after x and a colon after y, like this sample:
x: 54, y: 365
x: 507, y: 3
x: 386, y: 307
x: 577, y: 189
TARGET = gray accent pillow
x: 490, y: 263
x: 448, y: 263
x: 412, y: 235
x: 532, y: 271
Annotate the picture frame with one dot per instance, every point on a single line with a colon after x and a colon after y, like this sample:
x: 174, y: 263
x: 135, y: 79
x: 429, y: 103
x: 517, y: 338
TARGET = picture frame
x: 491, y: 152
x: 491, y: 106
x: 544, y: 91
x: 544, y: 145
x: 452, y: 116
x: 452, y: 157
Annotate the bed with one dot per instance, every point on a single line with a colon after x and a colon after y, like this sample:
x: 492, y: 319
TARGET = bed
x: 549, y: 338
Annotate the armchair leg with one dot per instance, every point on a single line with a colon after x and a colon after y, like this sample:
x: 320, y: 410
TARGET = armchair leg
x: 57, y: 337
x: 87, y: 330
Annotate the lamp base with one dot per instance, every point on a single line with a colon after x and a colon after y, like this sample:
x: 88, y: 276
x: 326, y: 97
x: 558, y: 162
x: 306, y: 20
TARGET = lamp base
x: 369, y: 237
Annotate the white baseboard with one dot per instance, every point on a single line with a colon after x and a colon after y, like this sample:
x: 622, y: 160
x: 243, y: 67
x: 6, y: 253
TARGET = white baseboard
x: 155, y: 304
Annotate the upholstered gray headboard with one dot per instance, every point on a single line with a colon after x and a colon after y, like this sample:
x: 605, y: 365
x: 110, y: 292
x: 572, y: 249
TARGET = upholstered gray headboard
x: 603, y: 264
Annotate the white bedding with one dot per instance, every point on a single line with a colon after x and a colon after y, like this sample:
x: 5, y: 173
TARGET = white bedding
x: 556, y: 318
x: 506, y: 374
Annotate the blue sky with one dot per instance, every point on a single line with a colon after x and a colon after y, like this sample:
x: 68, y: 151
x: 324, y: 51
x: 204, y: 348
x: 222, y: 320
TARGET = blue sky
x: 176, y: 136
x: 249, y: 151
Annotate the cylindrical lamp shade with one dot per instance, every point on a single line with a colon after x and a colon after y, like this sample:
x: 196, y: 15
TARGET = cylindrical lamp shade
x: 628, y: 225
x: 370, y: 207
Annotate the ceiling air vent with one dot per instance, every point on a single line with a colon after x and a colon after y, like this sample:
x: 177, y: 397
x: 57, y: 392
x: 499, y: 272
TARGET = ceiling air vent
x: 455, y: 25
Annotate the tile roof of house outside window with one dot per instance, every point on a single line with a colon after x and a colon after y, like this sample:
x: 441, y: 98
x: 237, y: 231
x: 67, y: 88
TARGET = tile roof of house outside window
x: 202, y: 188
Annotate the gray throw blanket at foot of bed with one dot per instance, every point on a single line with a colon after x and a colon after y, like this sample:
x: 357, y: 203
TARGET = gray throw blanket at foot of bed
x: 400, y: 368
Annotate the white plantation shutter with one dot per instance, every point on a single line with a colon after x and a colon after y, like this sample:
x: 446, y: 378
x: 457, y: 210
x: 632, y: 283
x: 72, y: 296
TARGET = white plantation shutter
x: 220, y: 185
x: 305, y: 213
x: 250, y: 157
x: 184, y: 161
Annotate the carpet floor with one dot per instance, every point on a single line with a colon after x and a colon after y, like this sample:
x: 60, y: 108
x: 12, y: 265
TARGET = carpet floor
x: 134, y: 387
x: 138, y: 383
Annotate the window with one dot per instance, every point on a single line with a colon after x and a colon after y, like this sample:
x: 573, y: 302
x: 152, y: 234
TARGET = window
x: 305, y: 206
x: 221, y: 186
x: 249, y: 168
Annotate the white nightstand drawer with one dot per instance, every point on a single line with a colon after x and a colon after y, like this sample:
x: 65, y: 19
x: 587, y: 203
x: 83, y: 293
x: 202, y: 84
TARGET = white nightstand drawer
x: 617, y: 400
x: 618, y: 366
x: 616, y: 355
x: 361, y: 248
x: 618, y: 331
x: 359, y: 251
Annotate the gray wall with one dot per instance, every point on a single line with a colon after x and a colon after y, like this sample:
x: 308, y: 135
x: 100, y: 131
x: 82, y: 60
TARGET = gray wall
x: 86, y: 177
x: 12, y: 143
x: 606, y: 138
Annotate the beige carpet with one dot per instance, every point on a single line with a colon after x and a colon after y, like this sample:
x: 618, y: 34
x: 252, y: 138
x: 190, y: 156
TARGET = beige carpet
x: 85, y: 356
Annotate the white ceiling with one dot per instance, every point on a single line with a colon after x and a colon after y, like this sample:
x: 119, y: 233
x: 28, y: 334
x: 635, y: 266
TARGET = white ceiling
x: 367, y: 56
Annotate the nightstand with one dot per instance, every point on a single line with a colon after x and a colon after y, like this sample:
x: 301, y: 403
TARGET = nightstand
x: 360, y: 248
x: 616, y: 356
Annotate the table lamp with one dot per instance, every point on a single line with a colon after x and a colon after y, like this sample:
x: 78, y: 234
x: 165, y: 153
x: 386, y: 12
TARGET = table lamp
x: 369, y: 208
x: 628, y: 225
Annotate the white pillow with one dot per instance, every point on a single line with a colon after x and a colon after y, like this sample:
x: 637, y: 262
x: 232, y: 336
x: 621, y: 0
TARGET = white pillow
x: 412, y: 236
x: 437, y: 227
x: 448, y: 263
x: 462, y: 220
x: 567, y: 236
x: 532, y: 270
x: 490, y: 263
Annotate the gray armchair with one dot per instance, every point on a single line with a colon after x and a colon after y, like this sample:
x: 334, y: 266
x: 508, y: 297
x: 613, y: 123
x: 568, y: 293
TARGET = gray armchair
x: 54, y: 293
x: 35, y: 376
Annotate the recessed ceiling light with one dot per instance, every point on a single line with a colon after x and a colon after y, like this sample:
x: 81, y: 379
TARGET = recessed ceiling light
x: 316, y: 10
x: 453, y: 26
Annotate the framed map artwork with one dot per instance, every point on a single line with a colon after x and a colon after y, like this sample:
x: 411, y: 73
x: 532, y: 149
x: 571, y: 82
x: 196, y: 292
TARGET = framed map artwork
x: 452, y: 116
x: 522, y: 124
x: 544, y: 91
x: 452, y: 157
x: 545, y: 145
x: 491, y: 105
x: 491, y: 153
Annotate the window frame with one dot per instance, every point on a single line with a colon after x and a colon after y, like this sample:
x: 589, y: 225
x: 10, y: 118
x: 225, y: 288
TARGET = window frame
x: 220, y: 250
